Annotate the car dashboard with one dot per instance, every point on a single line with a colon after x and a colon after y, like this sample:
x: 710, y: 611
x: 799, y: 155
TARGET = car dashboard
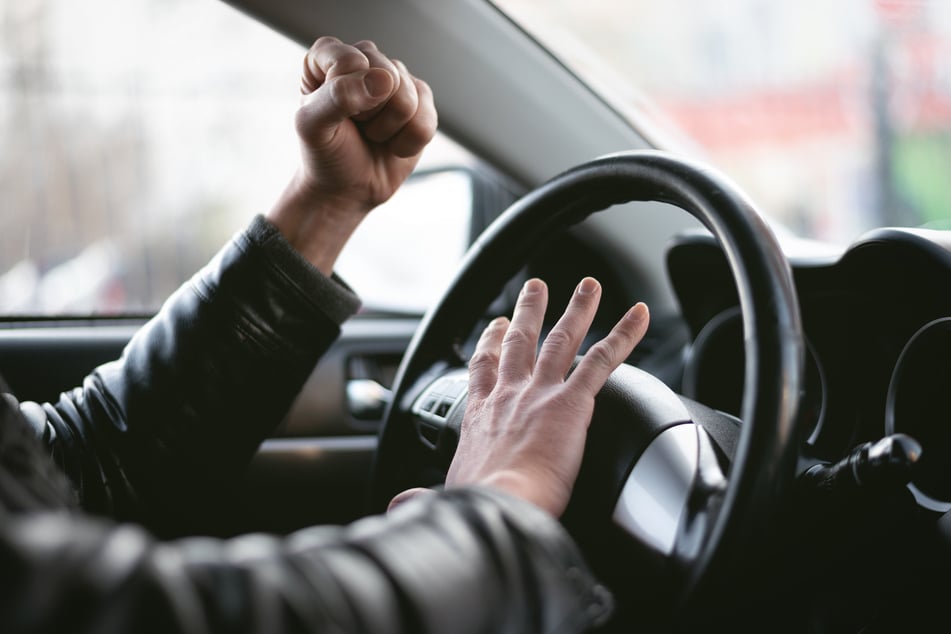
x: 876, y: 319
x: 877, y: 327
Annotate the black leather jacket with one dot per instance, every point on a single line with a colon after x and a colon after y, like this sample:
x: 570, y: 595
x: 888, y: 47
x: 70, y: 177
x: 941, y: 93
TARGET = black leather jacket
x: 150, y: 440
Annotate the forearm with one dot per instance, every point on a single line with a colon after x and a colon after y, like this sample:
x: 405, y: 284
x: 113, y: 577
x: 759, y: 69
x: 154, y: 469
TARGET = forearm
x: 463, y: 561
x: 200, y: 385
x: 316, y: 226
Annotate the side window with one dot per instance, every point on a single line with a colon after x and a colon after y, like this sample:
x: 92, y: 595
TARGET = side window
x: 139, y: 135
x: 404, y: 253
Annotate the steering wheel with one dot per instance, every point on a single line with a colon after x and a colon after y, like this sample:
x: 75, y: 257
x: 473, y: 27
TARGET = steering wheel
x: 650, y: 453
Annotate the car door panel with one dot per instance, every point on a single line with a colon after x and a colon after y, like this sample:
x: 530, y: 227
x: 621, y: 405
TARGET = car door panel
x: 312, y: 470
x: 315, y: 468
x: 39, y: 361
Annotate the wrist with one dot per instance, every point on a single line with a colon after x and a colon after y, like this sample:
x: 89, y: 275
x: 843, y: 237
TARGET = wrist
x: 316, y: 224
x: 522, y: 486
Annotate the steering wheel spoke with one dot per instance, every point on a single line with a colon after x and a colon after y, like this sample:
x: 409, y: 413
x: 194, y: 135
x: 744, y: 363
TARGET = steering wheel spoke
x: 438, y: 411
x: 674, y: 484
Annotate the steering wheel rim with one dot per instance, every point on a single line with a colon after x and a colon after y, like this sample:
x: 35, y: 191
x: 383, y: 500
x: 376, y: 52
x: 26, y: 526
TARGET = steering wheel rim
x: 763, y: 466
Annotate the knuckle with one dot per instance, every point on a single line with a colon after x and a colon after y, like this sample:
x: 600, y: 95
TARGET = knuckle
x: 503, y: 396
x: 326, y: 40
x: 426, y: 127
x: 422, y: 86
x: 399, y: 122
x: 367, y: 45
x: 483, y: 360
x: 518, y: 336
x: 558, y: 340
x: 404, y: 103
x: 343, y: 59
x: 339, y: 92
x: 603, y: 354
x: 412, y: 139
x: 350, y: 61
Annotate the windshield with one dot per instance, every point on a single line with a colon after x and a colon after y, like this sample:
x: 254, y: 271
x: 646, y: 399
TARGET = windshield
x: 835, y: 117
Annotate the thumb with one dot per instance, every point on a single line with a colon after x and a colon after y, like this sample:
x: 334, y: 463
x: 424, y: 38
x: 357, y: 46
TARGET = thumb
x: 406, y: 496
x: 343, y: 97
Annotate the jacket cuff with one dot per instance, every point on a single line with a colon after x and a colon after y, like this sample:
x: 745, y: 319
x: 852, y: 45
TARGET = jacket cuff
x: 335, y: 298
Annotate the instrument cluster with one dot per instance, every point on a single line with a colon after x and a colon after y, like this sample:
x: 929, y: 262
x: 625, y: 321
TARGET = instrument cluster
x: 877, y: 341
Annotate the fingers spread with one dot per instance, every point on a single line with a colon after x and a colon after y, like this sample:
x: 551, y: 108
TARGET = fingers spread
x: 484, y: 364
x: 562, y: 343
x: 606, y: 355
x: 521, y: 340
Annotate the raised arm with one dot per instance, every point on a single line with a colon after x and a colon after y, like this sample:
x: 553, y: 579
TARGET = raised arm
x: 363, y: 123
x: 161, y: 434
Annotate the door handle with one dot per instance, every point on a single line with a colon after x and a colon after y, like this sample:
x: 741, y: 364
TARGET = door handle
x: 367, y: 399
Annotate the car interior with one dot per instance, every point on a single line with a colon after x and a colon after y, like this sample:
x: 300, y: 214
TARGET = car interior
x: 774, y: 455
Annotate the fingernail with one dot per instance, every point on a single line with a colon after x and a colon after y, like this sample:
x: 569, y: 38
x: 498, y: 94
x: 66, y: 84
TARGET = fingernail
x: 378, y: 83
x: 588, y: 286
x: 637, y: 312
x: 533, y: 285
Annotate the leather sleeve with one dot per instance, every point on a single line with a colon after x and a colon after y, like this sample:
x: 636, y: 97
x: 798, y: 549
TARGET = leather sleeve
x: 466, y: 560
x: 160, y: 435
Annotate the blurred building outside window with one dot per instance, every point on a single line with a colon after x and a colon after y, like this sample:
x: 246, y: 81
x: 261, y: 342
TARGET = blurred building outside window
x: 835, y: 117
x: 139, y: 135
